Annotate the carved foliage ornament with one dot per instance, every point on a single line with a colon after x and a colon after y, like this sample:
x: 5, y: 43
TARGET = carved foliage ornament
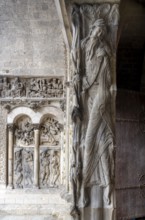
x: 94, y: 28
x: 31, y: 87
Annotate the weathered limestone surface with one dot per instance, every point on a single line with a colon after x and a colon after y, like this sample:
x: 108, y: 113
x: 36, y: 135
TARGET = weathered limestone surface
x: 18, y: 204
x: 31, y: 38
x: 32, y: 85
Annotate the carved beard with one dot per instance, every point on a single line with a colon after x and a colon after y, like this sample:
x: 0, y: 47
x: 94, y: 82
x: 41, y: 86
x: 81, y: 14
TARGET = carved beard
x: 92, y: 44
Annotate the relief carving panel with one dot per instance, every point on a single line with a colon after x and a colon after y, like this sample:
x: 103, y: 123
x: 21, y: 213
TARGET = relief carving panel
x: 31, y: 87
x: 93, y: 53
x: 24, y: 132
x: 49, y: 168
x: 23, y: 167
x: 50, y: 132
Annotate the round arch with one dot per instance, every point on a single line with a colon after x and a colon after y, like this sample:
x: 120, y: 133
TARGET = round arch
x: 18, y: 112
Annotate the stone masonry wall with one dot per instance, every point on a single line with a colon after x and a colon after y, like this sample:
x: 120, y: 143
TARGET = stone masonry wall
x: 30, y: 38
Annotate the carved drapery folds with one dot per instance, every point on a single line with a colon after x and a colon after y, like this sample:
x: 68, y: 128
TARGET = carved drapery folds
x: 94, y: 30
x: 31, y: 87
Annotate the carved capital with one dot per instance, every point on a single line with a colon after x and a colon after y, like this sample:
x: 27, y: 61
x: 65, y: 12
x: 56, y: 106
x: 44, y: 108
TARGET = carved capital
x: 11, y: 127
x: 68, y: 84
x: 36, y: 126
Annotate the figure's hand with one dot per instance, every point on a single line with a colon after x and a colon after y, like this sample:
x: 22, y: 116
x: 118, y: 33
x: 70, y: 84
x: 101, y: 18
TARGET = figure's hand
x: 76, y: 78
x: 85, y: 84
x: 83, y: 42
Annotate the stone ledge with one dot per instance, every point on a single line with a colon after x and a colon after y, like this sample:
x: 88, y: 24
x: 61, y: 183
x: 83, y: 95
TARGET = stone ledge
x: 30, y: 209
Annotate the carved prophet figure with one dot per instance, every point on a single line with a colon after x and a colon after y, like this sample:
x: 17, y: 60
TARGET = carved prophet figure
x: 98, y: 165
x: 93, y: 139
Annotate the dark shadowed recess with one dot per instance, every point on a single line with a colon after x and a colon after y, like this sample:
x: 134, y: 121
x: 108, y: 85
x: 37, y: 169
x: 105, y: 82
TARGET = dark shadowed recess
x: 131, y: 46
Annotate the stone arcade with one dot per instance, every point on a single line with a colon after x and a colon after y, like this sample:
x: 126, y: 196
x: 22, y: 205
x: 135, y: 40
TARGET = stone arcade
x: 57, y: 109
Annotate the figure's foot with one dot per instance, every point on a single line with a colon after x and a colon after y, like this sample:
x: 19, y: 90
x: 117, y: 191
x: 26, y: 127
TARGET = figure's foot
x: 74, y: 211
x: 86, y: 201
x: 107, y: 195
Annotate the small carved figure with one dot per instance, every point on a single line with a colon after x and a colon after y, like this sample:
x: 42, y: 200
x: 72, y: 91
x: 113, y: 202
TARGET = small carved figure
x: 28, y: 168
x: 34, y: 88
x: 17, y: 89
x: 43, y: 88
x: 59, y: 89
x: 45, y: 163
x: 55, y: 170
x: 6, y: 87
x: 18, y: 168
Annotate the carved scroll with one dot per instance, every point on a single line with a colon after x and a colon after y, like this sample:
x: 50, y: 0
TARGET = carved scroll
x: 93, y: 48
x: 31, y: 87
x: 49, y: 168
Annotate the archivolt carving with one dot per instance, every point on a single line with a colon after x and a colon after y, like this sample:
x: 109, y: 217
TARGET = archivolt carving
x: 31, y: 87
x: 93, y: 140
x: 50, y: 168
x: 24, y: 132
x: 50, y: 132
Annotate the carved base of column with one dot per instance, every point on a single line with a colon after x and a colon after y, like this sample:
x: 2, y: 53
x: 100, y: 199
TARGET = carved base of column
x: 36, y: 187
x: 10, y: 186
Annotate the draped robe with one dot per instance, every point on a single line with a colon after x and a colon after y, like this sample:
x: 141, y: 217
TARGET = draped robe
x: 98, y: 162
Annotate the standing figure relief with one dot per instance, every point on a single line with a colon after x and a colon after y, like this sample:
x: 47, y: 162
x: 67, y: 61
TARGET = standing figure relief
x: 98, y: 142
x: 23, y: 167
x: 93, y: 135
x: 28, y: 168
x: 18, y: 169
x: 49, y: 168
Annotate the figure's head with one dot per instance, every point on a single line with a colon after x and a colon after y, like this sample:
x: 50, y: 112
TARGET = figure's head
x: 98, y: 29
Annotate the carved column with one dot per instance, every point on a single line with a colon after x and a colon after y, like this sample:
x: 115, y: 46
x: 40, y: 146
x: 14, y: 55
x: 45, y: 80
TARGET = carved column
x: 10, y: 155
x: 36, y: 155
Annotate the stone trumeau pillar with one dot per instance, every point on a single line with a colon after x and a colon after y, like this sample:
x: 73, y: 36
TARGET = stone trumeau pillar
x: 93, y: 54
x: 92, y: 41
